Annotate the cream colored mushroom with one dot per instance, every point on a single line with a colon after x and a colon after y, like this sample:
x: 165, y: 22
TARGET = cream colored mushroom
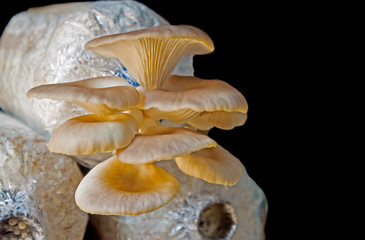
x: 113, y: 188
x: 90, y: 134
x: 179, y: 116
x: 223, y: 120
x: 200, y: 124
x: 186, y: 92
x: 214, y: 165
x: 214, y: 101
x: 151, y: 54
x: 164, y: 144
x: 102, y: 95
x: 126, y: 121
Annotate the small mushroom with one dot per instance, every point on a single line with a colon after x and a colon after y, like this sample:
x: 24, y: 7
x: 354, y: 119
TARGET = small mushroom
x: 90, y: 134
x: 102, y: 95
x: 113, y: 187
x: 165, y: 145
x: 214, y: 165
x: 151, y: 54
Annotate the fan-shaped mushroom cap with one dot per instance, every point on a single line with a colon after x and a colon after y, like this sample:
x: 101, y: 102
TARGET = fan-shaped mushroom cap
x: 151, y: 54
x: 90, y: 134
x: 185, y: 92
x: 214, y: 165
x: 102, y: 95
x: 165, y: 145
x: 114, y: 188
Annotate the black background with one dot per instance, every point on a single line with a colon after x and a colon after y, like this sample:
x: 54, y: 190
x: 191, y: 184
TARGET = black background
x: 253, y: 54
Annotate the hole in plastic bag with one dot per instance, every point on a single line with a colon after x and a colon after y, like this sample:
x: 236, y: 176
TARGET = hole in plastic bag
x: 217, y: 221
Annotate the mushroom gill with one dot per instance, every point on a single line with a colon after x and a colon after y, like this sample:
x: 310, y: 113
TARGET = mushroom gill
x: 151, y: 54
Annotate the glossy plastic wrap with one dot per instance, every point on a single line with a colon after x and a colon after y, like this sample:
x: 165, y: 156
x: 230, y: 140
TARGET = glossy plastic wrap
x: 200, y: 211
x: 36, y: 188
x: 46, y: 45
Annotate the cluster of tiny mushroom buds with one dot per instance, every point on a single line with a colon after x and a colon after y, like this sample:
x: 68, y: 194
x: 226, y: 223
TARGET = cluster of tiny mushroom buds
x: 126, y: 120
x: 15, y: 229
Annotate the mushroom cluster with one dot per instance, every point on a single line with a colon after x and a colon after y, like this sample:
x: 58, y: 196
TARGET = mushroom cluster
x: 127, y: 118
x: 15, y: 229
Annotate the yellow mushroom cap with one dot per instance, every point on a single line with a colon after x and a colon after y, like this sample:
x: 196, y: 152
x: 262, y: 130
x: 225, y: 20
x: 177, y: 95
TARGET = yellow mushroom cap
x: 90, y: 134
x: 151, y: 54
x: 214, y: 165
x: 102, y: 95
x: 186, y: 92
x: 116, y: 188
x: 165, y: 145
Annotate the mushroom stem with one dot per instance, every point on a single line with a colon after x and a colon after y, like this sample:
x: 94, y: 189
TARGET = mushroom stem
x: 150, y: 127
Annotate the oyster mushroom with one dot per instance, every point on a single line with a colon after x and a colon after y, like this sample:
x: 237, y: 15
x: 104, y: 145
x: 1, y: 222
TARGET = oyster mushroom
x: 102, y: 95
x: 159, y: 143
x: 103, y: 131
x: 151, y: 54
x: 187, y: 98
x: 90, y: 134
x: 113, y: 187
x: 214, y: 165
x: 126, y: 121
